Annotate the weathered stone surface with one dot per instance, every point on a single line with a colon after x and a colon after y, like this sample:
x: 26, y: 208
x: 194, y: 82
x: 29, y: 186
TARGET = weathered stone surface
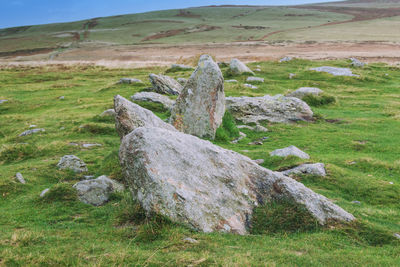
x: 237, y: 67
x: 20, y: 178
x: 44, y: 192
x: 153, y: 97
x: 3, y: 101
x: 129, y: 80
x: 290, y: 151
x: 241, y: 136
x: 250, y: 86
x: 317, y: 169
x: 108, y: 113
x: 96, y: 192
x: 285, y: 59
x: 268, y: 108
x: 356, y: 63
x: 182, y: 81
x: 201, y: 105
x: 33, y: 131
x: 231, y: 81
x: 165, y: 85
x: 130, y: 116
x: 303, y: 91
x: 71, y: 162
x: 180, y: 67
x: 259, y: 161
x: 335, y: 71
x: 255, y: 79
x: 206, y: 187
x: 90, y: 145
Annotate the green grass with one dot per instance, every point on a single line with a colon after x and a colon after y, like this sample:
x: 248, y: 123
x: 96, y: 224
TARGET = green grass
x: 356, y: 138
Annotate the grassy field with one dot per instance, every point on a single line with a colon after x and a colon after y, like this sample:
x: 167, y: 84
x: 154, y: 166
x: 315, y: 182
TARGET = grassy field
x: 356, y: 138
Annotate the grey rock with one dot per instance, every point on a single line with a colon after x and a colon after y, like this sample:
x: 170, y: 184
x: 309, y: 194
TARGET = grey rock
x: 241, y: 136
x: 71, y: 162
x: 268, y: 108
x: 290, y: 151
x: 180, y: 67
x: 255, y: 79
x: 3, y: 101
x: 258, y: 70
x: 165, y: 85
x: 250, y: 86
x: 129, y: 80
x: 108, y: 113
x: 259, y: 161
x: 256, y: 143
x: 33, y: 131
x: 356, y: 202
x: 260, y: 128
x: 303, y: 91
x: 237, y: 67
x: 356, y: 63
x: 44, y: 192
x: 206, y: 187
x: 130, y: 116
x: 335, y: 71
x: 61, y: 97
x: 397, y: 235
x: 231, y: 81
x: 246, y: 127
x: 20, y: 178
x: 97, y: 191
x: 190, y: 240
x: 285, y: 59
x: 201, y: 105
x: 292, y: 75
x: 153, y: 97
x: 90, y: 145
x: 317, y: 169
x: 182, y: 81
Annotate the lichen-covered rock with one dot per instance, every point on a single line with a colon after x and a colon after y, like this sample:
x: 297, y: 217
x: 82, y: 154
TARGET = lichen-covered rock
x: 165, y: 85
x: 237, y: 67
x: 108, y: 113
x: 96, y: 192
x: 335, y: 71
x: 303, y: 91
x: 33, y: 131
x: 153, y: 97
x: 201, y: 105
x: 206, y: 187
x: 73, y: 163
x: 130, y: 116
x: 356, y: 63
x: 290, y: 151
x: 129, y: 80
x: 268, y: 108
x: 317, y: 169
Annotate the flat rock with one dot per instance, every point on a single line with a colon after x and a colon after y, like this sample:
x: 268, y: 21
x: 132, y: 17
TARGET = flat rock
x: 33, y: 131
x: 201, y: 105
x: 73, y: 163
x: 130, y: 116
x: 317, y: 169
x: 290, y: 151
x: 336, y: 71
x: 237, y: 67
x: 206, y: 187
x: 303, y: 91
x: 108, y: 113
x: 163, y: 84
x: 153, y: 97
x: 255, y: 79
x: 231, y: 81
x: 20, y: 178
x: 250, y: 86
x: 97, y: 191
x: 285, y: 59
x: 90, y: 145
x: 3, y: 101
x: 129, y: 80
x: 356, y: 63
x: 268, y: 108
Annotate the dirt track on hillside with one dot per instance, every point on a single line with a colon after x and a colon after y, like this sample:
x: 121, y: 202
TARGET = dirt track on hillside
x: 161, y: 55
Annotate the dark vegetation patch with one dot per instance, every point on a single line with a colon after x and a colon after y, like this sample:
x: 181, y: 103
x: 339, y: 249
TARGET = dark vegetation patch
x: 246, y: 27
x: 28, y: 52
x: 316, y: 101
x: 299, y: 15
x: 13, y: 30
x: 60, y: 192
x: 228, y: 130
x: 111, y: 167
x: 169, y: 33
x: 187, y: 14
x: 97, y: 128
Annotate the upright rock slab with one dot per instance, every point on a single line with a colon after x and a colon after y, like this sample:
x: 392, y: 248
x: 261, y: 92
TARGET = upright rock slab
x: 201, y: 105
x: 237, y: 67
x: 165, y: 85
x: 269, y: 108
x: 206, y: 187
x: 130, y: 116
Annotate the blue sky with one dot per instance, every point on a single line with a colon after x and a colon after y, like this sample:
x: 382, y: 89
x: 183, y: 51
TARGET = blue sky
x: 30, y: 12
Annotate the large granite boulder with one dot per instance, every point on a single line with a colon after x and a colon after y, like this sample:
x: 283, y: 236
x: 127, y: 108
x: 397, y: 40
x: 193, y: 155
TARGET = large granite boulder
x: 206, y: 187
x: 96, y: 192
x: 303, y: 91
x: 73, y: 163
x: 130, y: 116
x: 268, y: 108
x: 237, y: 67
x: 201, y: 105
x: 165, y: 85
x: 153, y: 97
x: 335, y: 71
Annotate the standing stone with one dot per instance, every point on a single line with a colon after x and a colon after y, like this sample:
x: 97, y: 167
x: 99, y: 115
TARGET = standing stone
x: 130, y: 116
x: 33, y: 131
x: 206, y: 187
x: 71, y: 162
x: 255, y: 79
x: 336, y: 71
x: 20, y: 178
x: 165, y: 85
x: 201, y: 105
x: 285, y: 59
x: 237, y: 67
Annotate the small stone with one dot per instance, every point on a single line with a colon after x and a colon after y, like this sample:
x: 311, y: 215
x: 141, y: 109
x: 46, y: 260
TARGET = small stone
x: 285, y: 59
x: 290, y: 151
x: 237, y: 67
x: 108, y: 113
x: 61, y: 97
x: 250, y: 86
x: 255, y: 79
x: 397, y: 235
x: 356, y: 202
x: 90, y: 145
x: 335, y: 71
x: 71, y: 162
x: 292, y: 75
x: 259, y: 161
x: 20, y: 178
x: 258, y: 70
x: 44, y: 192
x: 356, y: 63
x: 73, y: 144
x: 246, y: 127
x: 258, y: 143
x: 231, y: 81
x: 129, y: 80
x: 3, y: 101
x: 317, y: 169
x: 62, y: 128
x: 391, y: 183
x: 190, y: 240
x: 33, y: 131
x: 304, y: 91
x: 32, y: 126
x: 153, y: 97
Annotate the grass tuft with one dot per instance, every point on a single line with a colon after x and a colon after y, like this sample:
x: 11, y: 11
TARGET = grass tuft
x: 316, y: 101
x: 228, y: 130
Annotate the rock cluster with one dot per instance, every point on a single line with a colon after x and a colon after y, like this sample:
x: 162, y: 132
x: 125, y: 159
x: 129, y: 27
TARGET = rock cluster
x: 317, y: 169
x: 33, y: 131
x: 290, y: 151
x: 303, y: 91
x: 73, y: 163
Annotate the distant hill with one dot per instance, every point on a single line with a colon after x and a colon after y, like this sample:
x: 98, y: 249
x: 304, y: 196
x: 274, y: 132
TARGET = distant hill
x: 339, y: 21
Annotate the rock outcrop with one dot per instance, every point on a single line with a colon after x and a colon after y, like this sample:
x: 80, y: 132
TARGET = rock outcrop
x: 33, y: 131
x: 153, y: 97
x: 130, y: 116
x: 129, y: 80
x: 165, y: 85
x: 255, y: 79
x: 237, y: 67
x: 336, y: 71
x: 206, y: 187
x: 201, y: 105
x: 268, y: 108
